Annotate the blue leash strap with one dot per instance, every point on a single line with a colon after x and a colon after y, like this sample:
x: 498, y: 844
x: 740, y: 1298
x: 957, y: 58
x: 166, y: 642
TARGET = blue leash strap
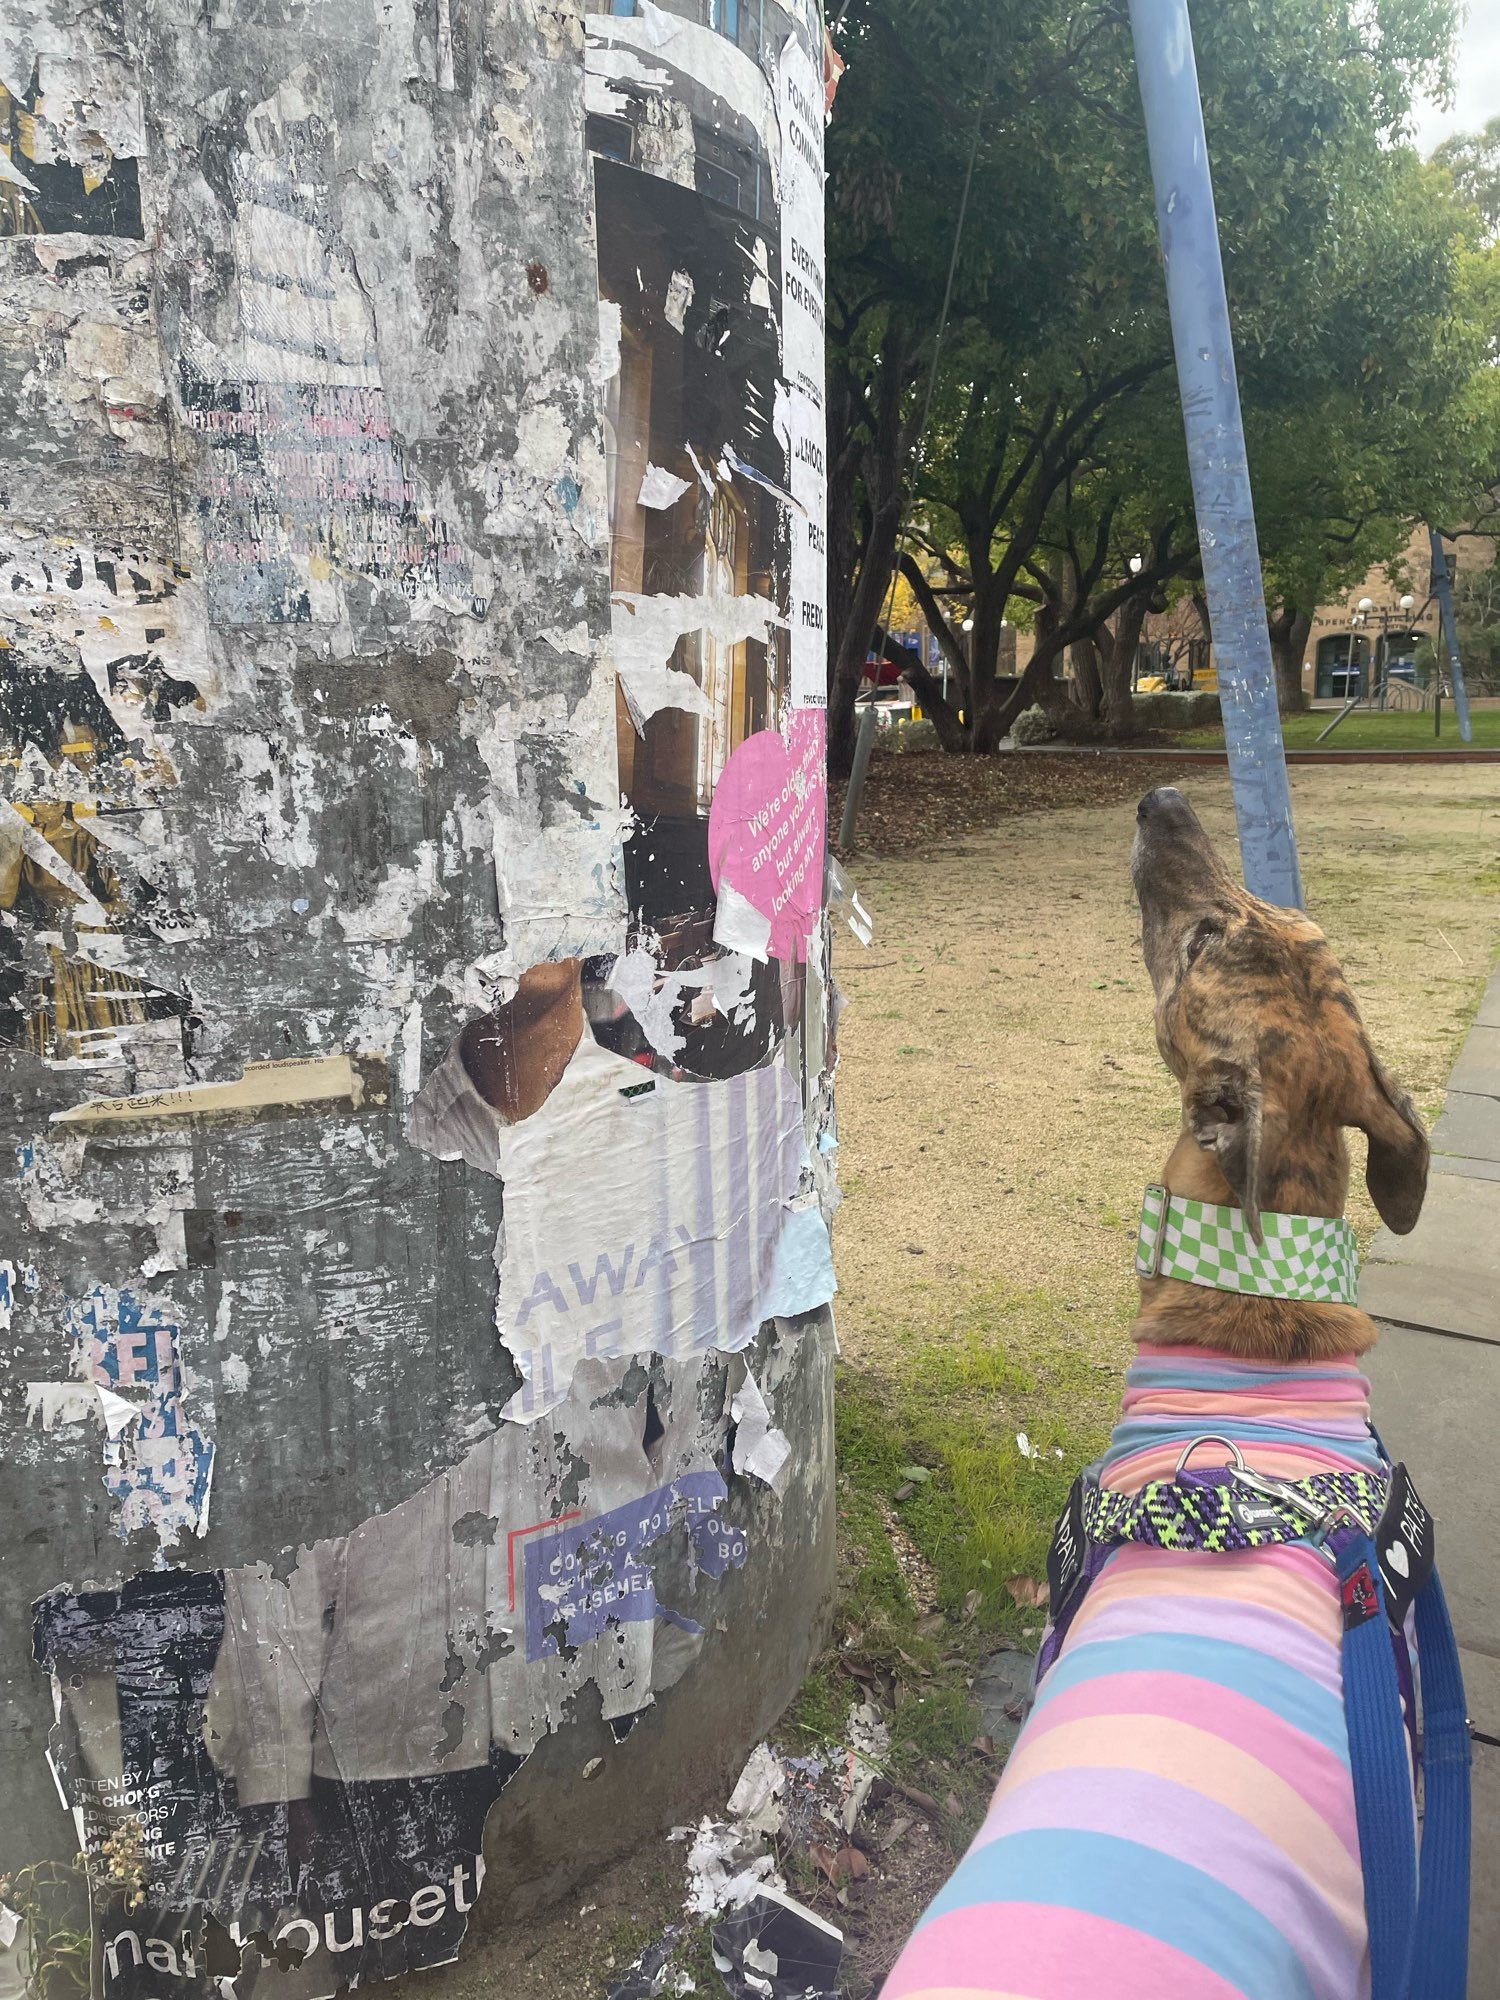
x: 1440, y: 1961
x: 1381, y: 1770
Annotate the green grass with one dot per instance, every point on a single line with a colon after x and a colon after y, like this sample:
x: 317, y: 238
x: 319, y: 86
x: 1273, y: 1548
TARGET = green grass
x: 950, y: 1405
x: 1367, y: 731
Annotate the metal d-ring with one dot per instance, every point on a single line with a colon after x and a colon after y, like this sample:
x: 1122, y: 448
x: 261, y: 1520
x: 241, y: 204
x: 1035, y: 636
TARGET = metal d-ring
x: 1212, y: 1437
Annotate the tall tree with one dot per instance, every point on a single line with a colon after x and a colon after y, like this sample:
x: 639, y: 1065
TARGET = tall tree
x: 1472, y: 160
x: 1054, y: 430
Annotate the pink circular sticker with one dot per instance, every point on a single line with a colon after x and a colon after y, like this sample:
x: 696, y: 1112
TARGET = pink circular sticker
x: 767, y: 824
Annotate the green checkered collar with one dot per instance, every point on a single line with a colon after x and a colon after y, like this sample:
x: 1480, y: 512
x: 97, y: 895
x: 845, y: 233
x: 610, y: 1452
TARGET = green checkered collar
x: 1302, y: 1257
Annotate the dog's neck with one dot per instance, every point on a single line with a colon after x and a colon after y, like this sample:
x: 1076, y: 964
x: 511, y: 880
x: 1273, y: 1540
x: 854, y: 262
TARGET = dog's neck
x: 1175, y: 1313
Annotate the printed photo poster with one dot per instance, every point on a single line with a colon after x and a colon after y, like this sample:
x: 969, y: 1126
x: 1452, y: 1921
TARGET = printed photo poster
x: 714, y: 461
x: 644, y: 1213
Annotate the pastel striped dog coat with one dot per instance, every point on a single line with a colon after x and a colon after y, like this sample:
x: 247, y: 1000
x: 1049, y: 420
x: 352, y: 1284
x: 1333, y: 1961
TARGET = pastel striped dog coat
x: 1176, y: 1821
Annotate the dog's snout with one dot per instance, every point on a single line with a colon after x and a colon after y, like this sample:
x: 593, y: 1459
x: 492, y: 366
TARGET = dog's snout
x: 1165, y: 803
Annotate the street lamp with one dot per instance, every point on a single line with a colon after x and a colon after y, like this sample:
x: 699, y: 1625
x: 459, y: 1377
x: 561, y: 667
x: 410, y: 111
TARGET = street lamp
x: 1405, y: 605
x: 1357, y: 617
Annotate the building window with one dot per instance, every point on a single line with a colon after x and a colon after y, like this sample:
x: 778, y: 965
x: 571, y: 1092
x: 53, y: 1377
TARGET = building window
x: 717, y: 183
x: 610, y: 138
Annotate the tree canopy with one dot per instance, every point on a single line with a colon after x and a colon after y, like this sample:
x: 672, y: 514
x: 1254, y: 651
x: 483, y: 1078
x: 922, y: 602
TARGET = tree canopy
x: 1360, y: 285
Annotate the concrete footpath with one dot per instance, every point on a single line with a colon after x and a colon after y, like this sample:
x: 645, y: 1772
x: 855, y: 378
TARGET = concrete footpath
x: 1436, y: 1376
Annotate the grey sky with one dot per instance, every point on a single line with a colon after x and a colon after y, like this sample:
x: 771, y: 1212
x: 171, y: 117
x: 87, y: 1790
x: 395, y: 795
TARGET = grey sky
x: 1477, y: 98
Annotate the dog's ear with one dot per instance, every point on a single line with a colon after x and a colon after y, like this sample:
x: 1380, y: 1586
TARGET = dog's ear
x: 1225, y: 1113
x: 1396, y: 1169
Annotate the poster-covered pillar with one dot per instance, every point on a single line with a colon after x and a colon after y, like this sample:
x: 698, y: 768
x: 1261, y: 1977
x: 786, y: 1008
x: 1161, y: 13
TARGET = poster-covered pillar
x: 413, y: 973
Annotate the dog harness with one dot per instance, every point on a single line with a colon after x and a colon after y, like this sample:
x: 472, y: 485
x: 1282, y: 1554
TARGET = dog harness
x: 1213, y: 1795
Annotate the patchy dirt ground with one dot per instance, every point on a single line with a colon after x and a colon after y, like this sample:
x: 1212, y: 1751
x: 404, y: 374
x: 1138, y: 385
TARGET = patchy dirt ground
x: 1001, y: 1100
x: 1001, y: 1105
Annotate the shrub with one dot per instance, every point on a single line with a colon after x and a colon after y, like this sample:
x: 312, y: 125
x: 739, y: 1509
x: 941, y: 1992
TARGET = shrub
x: 1033, y: 725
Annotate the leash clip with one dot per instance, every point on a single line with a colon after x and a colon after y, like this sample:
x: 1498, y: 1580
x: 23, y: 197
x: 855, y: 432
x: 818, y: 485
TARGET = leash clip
x: 1322, y: 1520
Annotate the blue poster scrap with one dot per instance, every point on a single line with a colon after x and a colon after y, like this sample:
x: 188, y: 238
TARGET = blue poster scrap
x: 592, y: 1572
x: 159, y: 1469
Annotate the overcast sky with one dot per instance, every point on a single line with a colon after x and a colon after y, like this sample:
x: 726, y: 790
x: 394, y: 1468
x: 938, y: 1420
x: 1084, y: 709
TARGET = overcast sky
x: 1478, y: 78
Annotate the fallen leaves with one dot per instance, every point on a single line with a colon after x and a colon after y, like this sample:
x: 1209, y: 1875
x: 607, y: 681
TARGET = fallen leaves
x: 846, y: 1864
x: 923, y: 1801
x: 1028, y: 1593
x: 924, y: 799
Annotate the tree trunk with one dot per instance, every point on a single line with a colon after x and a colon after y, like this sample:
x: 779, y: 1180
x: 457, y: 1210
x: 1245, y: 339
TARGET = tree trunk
x: 1289, y: 629
x: 943, y: 709
x: 883, y: 463
x: 995, y: 721
x: 984, y: 664
x: 1119, y: 657
x: 1088, y: 687
x: 952, y: 734
x: 852, y: 645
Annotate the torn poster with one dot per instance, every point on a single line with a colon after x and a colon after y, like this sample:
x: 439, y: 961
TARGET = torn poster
x: 672, y: 1008
x: 661, y: 489
x: 700, y: 589
x: 159, y: 1462
x: 71, y: 145
x: 773, y: 1948
x: 641, y: 1215
x: 310, y: 1761
x: 304, y: 483
x: 767, y: 828
x: 265, y: 1090
x: 759, y: 1448
x: 583, y: 1576
x: 68, y: 992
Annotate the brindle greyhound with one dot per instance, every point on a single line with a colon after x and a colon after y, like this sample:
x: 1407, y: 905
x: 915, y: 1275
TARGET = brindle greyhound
x: 1177, y: 1819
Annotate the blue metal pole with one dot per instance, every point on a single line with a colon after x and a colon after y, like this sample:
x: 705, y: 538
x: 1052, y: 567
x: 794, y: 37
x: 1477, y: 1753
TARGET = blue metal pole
x: 1216, y: 446
x: 1444, y: 591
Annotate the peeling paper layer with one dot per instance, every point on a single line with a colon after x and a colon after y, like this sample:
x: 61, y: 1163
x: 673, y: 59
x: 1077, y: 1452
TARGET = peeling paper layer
x: 641, y: 1216
x: 418, y: 1659
x: 158, y: 1461
x: 661, y: 489
x: 724, y: 987
x: 647, y: 629
x: 647, y: 690
x: 264, y: 1089
x: 626, y: 54
x: 759, y: 1448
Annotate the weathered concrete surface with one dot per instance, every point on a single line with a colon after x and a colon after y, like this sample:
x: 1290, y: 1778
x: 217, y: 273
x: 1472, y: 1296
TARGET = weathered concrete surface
x: 1446, y: 1274
x: 1484, y: 1914
x: 1466, y: 1129
x: 1436, y: 1398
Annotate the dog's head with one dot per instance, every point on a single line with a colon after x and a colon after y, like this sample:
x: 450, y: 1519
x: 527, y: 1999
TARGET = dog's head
x: 1254, y: 1019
